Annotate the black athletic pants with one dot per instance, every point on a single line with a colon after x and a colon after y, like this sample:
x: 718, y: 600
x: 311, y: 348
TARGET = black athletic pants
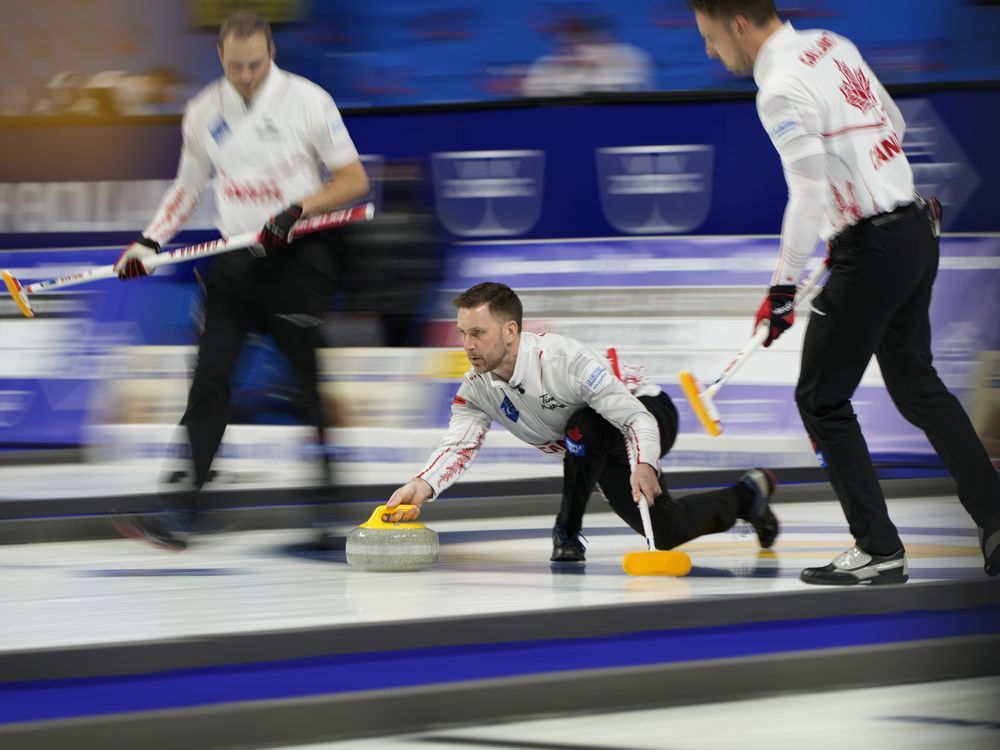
x: 603, y: 462
x: 285, y: 296
x: 876, y: 301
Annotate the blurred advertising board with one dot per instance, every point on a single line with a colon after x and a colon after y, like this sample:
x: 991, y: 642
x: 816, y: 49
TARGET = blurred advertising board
x: 633, y: 225
x: 573, y: 171
x: 112, y: 354
x: 985, y: 411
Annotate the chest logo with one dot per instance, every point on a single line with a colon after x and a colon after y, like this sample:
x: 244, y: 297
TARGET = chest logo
x: 548, y: 402
x: 267, y: 132
x: 510, y: 411
x: 219, y: 130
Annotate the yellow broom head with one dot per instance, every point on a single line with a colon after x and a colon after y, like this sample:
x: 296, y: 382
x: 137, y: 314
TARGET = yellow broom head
x: 20, y: 298
x: 657, y: 563
x: 694, y: 396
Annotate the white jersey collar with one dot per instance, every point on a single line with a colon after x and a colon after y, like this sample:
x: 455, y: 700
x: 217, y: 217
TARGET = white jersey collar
x: 525, y: 351
x: 765, y: 55
x: 525, y: 355
x: 267, y: 88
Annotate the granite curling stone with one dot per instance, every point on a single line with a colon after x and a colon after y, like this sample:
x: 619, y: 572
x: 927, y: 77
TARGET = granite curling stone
x: 391, y: 547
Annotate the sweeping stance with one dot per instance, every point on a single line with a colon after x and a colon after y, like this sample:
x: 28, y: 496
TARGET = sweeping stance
x: 267, y: 137
x: 554, y: 393
x: 839, y: 136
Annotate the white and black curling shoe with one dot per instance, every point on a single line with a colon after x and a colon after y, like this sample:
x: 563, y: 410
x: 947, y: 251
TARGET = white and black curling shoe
x: 762, y: 483
x: 858, y: 567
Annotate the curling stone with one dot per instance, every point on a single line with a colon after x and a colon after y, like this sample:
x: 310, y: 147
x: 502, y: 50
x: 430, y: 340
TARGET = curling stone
x: 391, y: 547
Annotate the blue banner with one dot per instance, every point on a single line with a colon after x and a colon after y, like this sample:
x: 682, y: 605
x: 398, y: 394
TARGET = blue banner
x: 531, y: 172
x: 589, y: 199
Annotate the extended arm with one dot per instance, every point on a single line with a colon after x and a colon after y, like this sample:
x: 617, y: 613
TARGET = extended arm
x: 458, y: 448
x: 178, y: 203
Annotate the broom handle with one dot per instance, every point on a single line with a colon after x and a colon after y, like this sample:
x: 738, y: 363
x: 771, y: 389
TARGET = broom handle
x: 647, y: 525
x: 805, y: 294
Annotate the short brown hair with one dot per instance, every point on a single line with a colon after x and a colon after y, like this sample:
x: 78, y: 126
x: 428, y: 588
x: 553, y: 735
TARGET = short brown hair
x: 503, y: 303
x: 758, y: 12
x: 243, y: 24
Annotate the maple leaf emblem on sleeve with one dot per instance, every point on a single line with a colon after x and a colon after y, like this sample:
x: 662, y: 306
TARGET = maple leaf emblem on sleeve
x: 856, y: 88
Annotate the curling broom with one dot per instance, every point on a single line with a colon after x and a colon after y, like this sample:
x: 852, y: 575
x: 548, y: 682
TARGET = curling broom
x: 701, y: 401
x: 21, y: 293
x: 654, y: 562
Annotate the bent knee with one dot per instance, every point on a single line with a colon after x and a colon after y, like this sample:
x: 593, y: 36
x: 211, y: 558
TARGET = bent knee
x: 585, y: 424
x: 813, y: 404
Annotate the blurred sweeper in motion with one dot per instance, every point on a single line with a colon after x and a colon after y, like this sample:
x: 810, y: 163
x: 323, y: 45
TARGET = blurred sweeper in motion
x: 839, y: 135
x: 279, y: 152
x: 554, y: 393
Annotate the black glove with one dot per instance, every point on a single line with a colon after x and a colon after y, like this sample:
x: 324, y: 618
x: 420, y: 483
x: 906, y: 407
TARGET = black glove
x: 778, y: 308
x: 274, y: 235
x: 130, y: 263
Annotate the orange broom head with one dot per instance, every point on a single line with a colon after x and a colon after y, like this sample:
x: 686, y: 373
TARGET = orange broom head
x: 693, y: 393
x: 657, y: 563
x: 20, y: 298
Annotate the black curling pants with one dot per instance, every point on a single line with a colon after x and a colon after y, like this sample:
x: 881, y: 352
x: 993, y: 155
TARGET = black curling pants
x: 876, y: 302
x: 604, y: 462
x: 285, y: 296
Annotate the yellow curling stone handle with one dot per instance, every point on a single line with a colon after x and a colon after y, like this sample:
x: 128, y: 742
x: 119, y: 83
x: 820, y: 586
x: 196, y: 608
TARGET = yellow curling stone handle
x: 376, y: 522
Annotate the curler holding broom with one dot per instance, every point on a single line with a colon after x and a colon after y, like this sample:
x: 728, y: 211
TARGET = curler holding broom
x: 554, y: 393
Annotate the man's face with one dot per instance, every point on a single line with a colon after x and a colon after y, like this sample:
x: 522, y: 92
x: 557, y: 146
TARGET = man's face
x: 722, y: 42
x: 485, y: 340
x: 246, y: 62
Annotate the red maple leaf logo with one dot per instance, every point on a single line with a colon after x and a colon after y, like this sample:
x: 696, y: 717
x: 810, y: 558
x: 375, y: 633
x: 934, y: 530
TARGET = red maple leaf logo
x: 849, y: 208
x: 575, y: 434
x: 856, y: 88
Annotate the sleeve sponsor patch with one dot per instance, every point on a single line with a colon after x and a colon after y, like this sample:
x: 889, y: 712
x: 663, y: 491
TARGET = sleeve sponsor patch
x: 336, y: 127
x: 597, y: 379
x: 784, y: 128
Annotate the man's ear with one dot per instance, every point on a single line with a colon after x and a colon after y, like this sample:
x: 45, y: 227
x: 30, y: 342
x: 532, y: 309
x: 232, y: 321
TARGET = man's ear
x: 511, y: 328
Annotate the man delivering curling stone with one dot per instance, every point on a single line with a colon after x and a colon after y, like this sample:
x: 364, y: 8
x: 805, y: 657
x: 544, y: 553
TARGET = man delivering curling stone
x: 554, y: 393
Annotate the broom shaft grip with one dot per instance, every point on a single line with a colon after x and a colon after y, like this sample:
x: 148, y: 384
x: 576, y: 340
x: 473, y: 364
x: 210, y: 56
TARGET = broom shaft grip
x: 806, y: 293
x: 647, y: 524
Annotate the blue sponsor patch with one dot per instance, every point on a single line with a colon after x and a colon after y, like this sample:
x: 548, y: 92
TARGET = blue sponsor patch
x: 509, y: 410
x: 219, y: 130
x: 577, y: 449
x: 784, y: 128
x: 596, y: 379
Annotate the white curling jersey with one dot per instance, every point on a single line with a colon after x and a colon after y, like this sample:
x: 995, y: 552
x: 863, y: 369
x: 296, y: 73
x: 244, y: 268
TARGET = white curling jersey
x: 815, y: 83
x: 263, y: 157
x: 554, y: 376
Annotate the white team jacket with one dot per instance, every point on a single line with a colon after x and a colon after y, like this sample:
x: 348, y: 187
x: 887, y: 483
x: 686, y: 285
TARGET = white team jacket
x: 835, y: 127
x: 263, y: 158
x: 554, y: 376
